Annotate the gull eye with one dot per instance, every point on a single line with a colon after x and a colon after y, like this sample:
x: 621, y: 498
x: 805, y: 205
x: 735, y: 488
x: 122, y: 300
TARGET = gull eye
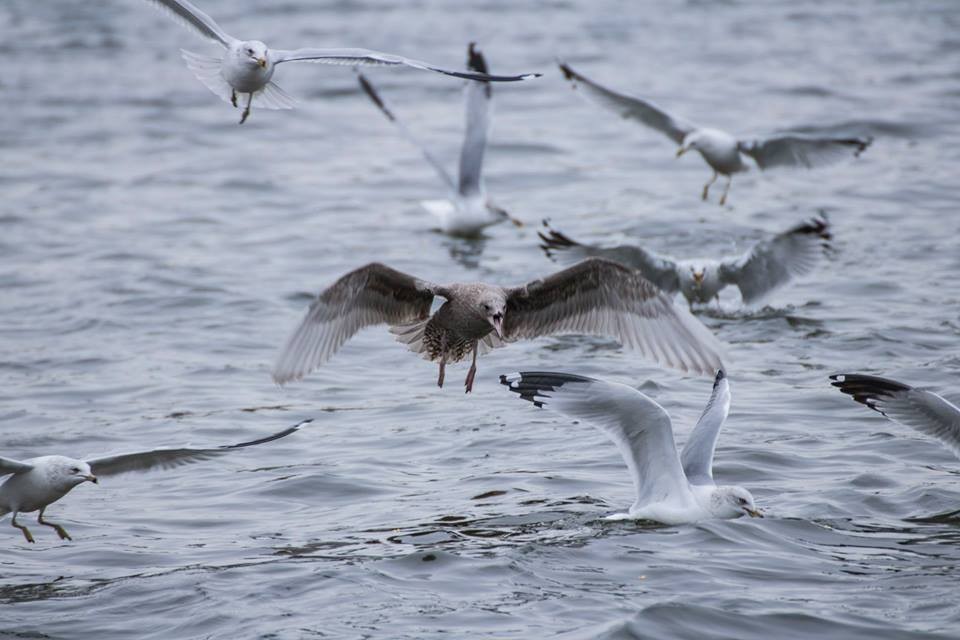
x: 75, y: 470
x: 742, y: 501
x: 250, y: 51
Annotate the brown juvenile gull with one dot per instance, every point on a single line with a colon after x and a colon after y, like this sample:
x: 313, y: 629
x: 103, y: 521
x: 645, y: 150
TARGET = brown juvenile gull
x: 721, y: 150
x: 595, y: 296
x: 767, y: 266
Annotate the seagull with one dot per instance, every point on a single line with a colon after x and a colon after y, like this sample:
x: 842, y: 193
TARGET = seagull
x: 247, y: 66
x: 768, y: 265
x: 36, y: 483
x: 469, y: 210
x: 922, y: 411
x: 721, y: 150
x: 592, y: 297
x: 670, y: 489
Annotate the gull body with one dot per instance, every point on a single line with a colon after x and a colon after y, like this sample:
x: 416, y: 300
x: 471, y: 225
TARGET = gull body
x: 247, y: 66
x: 670, y: 488
x: 36, y: 483
x: 594, y: 296
x: 468, y: 210
x: 723, y: 152
x: 766, y: 266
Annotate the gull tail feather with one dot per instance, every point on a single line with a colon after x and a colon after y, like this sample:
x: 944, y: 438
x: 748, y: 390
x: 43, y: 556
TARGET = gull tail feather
x: 207, y: 71
x: 273, y: 97
x: 411, y: 334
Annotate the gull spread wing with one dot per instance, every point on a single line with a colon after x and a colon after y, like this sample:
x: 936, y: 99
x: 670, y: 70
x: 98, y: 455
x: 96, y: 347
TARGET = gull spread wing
x: 355, y: 57
x: 800, y: 150
x: 923, y: 411
x: 697, y: 454
x: 170, y: 458
x: 367, y: 87
x: 477, y: 97
x: 191, y: 16
x: 9, y: 465
x: 629, y: 107
x: 773, y: 263
x: 370, y: 295
x: 637, y: 425
x: 657, y: 269
x: 600, y: 297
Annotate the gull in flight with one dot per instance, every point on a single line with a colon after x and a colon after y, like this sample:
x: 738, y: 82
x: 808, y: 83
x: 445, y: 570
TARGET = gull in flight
x: 922, y: 411
x: 592, y: 297
x: 247, y: 66
x: 670, y: 488
x: 469, y: 210
x: 768, y: 265
x: 722, y: 151
x: 38, y: 482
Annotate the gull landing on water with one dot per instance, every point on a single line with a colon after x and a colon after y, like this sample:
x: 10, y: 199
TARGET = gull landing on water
x: 722, y: 151
x: 670, y: 488
x: 247, y: 66
x: 469, y: 210
x: 595, y: 296
x: 768, y: 265
x: 38, y: 482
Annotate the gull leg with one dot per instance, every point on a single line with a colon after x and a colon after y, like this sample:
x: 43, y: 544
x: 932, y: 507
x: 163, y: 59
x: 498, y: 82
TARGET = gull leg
x: 233, y: 98
x: 472, y: 373
x: 60, y: 530
x: 726, y: 190
x: 443, y: 366
x: 706, y: 187
x: 26, y: 532
x: 246, y: 110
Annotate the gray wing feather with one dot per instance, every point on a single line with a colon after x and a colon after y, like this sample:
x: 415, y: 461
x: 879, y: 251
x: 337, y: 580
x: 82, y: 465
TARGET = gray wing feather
x: 186, y: 13
x: 697, y: 454
x: 657, y: 269
x: 9, y: 465
x: 773, y: 263
x: 629, y: 107
x: 172, y: 458
x: 922, y: 411
x: 370, y: 295
x: 354, y: 57
x: 434, y: 162
x: 600, y: 297
x: 800, y: 150
x: 477, y: 96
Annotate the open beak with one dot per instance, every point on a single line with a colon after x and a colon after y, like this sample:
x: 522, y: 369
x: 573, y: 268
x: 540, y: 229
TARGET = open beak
x: 262, y: 62
x: 681, y: 151
x: 753, y: 513
x: 498, y: 325
x: 92, y: 478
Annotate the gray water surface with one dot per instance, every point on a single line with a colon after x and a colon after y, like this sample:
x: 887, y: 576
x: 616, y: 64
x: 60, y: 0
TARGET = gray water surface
x: 154, y: 256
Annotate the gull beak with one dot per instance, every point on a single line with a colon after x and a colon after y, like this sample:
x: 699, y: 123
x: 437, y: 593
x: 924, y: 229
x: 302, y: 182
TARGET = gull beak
x: 262, y: 62
x: 516, y: 223
x: 753, y: 513
x: 92, y: 478
x: 681, y: 151
x: 498, y: 325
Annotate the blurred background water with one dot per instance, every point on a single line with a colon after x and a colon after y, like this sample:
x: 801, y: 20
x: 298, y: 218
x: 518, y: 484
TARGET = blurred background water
x: 154, y: 256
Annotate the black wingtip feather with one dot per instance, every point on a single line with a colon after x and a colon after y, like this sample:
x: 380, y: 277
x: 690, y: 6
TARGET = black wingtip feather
x: 553, y: 240
x: 568, y: 73
x: 721, y: 374
x: 529, y: 384
x: 373, y: 95
x: 867, y: 389
x: 270, y: 438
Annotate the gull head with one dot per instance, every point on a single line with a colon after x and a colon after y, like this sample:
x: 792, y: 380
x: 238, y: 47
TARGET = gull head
x: 252, y: 53
x: 733, y: 502
x: 697, y: 276
x: 67, y: 473
x: 492, y: 306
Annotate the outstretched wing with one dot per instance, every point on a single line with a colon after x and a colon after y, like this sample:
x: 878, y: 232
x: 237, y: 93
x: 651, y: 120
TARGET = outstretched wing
x: 354, y: 57
x: 434, y: 162
x: 629, y: 107
x: 170, y: 458
x: 477, y: 97
x: 773, y: 263
x: 697, y: 454
x: 374, y: 294
x: 637, y: 425
x: 657, y: 269
x: 185, y: 13
x: 922, y: 411
x: 801, y: 150
x: 600, y: 297
x: 9, y: 465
